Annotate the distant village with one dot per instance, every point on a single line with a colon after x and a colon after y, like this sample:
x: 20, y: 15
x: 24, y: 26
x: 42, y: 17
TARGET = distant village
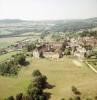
x: 80, y: 47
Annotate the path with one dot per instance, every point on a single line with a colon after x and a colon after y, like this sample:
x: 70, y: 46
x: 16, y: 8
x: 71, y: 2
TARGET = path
x: 91, y: 67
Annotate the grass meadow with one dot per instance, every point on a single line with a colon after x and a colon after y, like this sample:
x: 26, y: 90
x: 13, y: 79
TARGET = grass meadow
x: 8, y: 55
x: 62, y: 73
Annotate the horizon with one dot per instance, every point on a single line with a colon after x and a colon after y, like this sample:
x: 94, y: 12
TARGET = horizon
x: 49, y: 19
x: 47, y: 9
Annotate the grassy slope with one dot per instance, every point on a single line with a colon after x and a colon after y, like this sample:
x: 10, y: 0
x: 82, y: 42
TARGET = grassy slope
x: 62, y: 73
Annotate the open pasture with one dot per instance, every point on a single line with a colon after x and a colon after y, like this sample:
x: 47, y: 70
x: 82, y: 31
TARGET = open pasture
x: 62, y: 73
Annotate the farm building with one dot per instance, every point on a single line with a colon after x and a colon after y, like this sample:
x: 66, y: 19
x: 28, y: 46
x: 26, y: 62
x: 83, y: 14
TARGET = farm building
x: 48, y: 51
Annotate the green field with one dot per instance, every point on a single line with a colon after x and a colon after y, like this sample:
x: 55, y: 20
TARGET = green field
x: 7, y: 56
x: 62, y: 73
x: 4, y: 42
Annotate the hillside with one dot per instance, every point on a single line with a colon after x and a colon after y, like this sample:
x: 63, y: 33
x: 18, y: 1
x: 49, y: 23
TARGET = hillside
x: 17, y: 27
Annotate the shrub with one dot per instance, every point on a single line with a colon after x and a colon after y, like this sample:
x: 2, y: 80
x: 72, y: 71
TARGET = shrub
x: 20, y: 59
x: 75, y: 90
x: 8, y: 68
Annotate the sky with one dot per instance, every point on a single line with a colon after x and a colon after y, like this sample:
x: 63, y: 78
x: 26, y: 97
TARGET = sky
x: 47, y: 9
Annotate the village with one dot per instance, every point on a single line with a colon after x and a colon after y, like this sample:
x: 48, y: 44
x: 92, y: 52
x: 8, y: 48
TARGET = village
x: 81, y: 47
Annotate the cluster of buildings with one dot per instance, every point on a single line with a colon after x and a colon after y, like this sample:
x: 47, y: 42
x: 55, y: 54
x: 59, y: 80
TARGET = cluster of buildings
x: 18, y: 46
x: 56, y: 49
x: 77, y: 47
x: 48, y: 50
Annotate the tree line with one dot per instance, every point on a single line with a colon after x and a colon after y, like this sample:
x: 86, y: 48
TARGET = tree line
x: 11, y: 66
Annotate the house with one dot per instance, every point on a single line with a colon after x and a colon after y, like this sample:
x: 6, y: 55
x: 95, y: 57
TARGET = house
x: 48, y: 50
x: 51, y: 55
x: 80, y: 52
x: 36, y: 53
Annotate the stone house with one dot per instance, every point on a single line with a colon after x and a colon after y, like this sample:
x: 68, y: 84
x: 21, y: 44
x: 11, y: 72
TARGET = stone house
x: 51, y: 50
x: 36, y: 53
x: 80, y: 52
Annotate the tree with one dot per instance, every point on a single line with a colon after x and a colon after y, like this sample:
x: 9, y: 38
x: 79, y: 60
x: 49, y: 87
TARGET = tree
x: 35, y: 89
x: 19, y: 96
x: 67, y: 51
x: 30, y: 47
x: 20, y: 59
x: 40, y: 81
x: 10, y: 98
x: 8, y: 68
x: 34, y: 92
x: 36, y: 73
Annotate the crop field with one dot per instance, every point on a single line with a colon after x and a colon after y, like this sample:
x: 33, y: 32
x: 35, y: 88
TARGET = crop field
x: 4, y: 42
x: 63, y: 73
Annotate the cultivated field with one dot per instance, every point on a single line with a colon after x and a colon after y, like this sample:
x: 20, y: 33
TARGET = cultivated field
x: 62, y: 73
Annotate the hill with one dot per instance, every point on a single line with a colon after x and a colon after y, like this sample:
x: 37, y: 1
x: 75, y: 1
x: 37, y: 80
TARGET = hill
x: 17, y: 27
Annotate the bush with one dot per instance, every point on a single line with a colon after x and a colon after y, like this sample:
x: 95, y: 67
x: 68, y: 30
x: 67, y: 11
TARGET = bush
x: 8, y: 68
x: 20, y: 59
x: 11, y: 67
x: 75, y: 90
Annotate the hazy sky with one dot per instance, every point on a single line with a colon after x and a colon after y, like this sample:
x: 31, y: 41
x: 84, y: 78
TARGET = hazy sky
x: 47, y: 9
